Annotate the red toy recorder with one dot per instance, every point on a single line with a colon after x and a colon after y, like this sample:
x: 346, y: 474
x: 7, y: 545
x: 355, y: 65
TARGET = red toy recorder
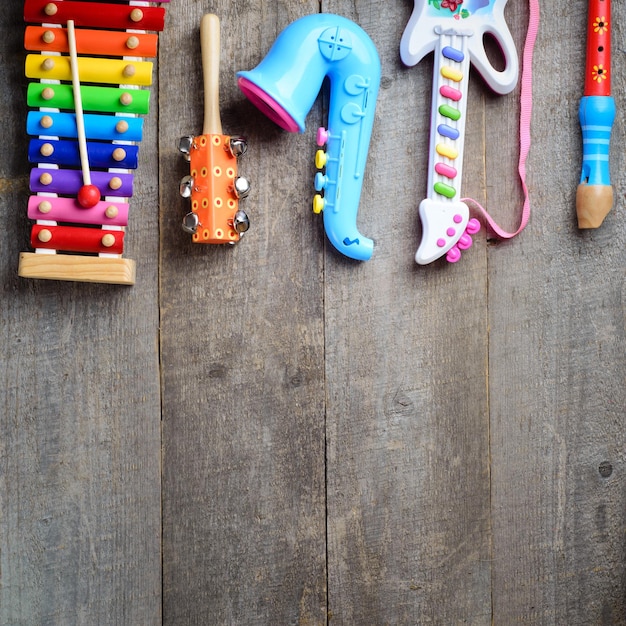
x: 594, y: 197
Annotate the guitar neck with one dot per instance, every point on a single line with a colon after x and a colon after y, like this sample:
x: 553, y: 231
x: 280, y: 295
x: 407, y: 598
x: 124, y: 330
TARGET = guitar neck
x: 449, y: 103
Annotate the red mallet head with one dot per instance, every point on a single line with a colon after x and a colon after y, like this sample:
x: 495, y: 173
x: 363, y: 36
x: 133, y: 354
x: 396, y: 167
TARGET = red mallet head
x: 88, y: 196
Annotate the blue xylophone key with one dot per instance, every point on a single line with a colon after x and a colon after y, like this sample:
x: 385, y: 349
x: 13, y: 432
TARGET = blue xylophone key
x: 65, y: 152
x: 101, y: 127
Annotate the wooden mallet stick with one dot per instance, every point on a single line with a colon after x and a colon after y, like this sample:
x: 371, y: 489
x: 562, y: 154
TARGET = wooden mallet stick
x: 88, y: 194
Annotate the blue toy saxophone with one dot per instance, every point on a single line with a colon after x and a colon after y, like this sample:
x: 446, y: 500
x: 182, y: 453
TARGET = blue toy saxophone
x: 284, y: 87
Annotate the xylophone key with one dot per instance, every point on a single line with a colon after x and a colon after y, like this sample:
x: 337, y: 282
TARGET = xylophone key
x: 101, y: 127
x: 77, y: 239
x: 95, y: 14
x: 92, y: 70
x: 69, y: 182
x: 67, y: 210
x: 101, y: 155
x: 92, y: 42
x: 96, y: 99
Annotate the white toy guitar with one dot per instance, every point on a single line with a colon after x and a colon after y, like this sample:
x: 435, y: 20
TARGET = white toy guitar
x: 455, y: 30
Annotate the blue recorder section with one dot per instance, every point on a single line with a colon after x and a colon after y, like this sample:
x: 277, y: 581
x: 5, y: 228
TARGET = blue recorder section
x: 101, y: 155
x: 596, y: 115
x: 286, y: 84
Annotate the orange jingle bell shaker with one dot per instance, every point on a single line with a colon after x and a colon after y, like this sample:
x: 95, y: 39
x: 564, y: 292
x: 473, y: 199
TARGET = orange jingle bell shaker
x: 213, y: 184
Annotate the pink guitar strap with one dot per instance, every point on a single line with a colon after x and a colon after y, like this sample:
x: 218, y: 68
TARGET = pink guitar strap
x: 526, y: 105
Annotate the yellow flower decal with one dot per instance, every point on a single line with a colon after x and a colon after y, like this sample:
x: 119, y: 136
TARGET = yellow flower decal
x: 600, y: 26
x: 599, y: 73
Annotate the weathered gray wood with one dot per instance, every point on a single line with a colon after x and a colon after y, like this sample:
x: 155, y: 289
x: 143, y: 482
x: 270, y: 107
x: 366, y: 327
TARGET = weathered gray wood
x: 557, y: 366
x: 242, y: 356
x: 406, y: 364
x: 79, y: 410
x: 342, y: 442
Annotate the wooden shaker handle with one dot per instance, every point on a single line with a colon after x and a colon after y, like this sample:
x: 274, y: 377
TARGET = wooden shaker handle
x: 210, y: 51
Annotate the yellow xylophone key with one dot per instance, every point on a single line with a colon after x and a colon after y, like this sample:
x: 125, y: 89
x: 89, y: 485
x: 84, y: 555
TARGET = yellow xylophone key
x: 91, y: 70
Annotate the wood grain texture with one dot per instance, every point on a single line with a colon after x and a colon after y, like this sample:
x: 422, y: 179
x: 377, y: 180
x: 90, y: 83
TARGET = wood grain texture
x: 242, y: 357
x: 80, y: 486
x: 271, y: 433
x: 557, y: 374
x: 406, y: 365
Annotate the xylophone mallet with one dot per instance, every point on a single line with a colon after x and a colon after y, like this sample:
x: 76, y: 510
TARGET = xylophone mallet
x: 88, y: 195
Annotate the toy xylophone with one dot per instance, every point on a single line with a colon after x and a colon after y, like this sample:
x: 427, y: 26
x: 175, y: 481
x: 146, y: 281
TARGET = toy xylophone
x: 87, y: 95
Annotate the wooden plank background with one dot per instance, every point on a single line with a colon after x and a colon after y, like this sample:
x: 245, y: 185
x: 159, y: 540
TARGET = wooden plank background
x: 274, y: 434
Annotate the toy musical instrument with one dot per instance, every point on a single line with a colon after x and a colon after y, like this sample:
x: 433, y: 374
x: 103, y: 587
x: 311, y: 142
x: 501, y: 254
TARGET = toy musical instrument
x: 594, y: 196
x: 87, y: 69
x: 284, y: 87
x: 213, y: 185
x: 455, y: 30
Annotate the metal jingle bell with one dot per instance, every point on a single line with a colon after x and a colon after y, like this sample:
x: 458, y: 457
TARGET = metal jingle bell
x: 241, y: 222
x: 238, y: 146
x: 190, y: 223
x: 186, y: 186
x: 184, y: 146
x: 241, y: 187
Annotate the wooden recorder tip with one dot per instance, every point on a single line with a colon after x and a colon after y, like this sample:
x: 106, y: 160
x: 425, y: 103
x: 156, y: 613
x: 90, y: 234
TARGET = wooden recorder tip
x: 593, y: 203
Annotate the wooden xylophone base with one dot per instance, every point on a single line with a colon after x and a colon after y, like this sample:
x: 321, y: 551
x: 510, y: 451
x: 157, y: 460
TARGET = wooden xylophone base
x: 86, y: 269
